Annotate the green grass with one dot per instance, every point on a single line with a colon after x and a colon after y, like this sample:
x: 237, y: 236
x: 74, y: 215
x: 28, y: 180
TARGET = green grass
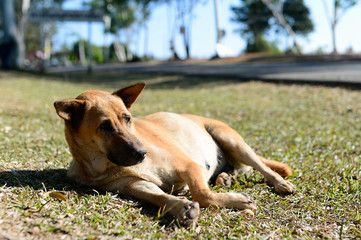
x: 316, y: 130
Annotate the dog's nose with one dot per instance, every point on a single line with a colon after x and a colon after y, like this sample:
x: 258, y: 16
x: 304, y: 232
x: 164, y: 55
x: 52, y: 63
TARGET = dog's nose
x: 139, y: 154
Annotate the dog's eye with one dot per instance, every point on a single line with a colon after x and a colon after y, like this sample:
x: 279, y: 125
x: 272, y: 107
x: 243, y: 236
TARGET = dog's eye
x: 126, y: 118
x: 106, y: 126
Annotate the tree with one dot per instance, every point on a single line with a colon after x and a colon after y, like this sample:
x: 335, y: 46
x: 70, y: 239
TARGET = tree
x: 118, y: 15
x: 185, y: 15
x: 258, y: 16
x: 144, y: 13
x: 297, y: 15
x: 123, y: 15
x: 340, y: 7
x: 291, y: 14
x: 254, y: 18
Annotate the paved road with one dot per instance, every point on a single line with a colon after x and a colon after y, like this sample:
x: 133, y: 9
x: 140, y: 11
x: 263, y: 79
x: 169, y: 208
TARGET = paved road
x: 344, y: 72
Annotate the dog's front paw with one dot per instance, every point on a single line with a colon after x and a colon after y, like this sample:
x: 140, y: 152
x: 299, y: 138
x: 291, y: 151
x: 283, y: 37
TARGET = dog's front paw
x: 285, y: 187
x: 189, y: 214
x: 185, y: 211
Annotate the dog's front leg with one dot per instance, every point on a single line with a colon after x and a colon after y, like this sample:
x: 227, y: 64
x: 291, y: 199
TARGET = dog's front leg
x: 185, y: 211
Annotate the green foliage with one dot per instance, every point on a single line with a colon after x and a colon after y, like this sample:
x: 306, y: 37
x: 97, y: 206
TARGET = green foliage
x: 97, y: 52
x: 254, y: 18
x: 345, y: 4
x: 121, y: 12
x: 98, y: 55
x: 291, y: 50
x: 320, y: 50
x: 274, y: 48
x: 349, y: 50
x: 259, y: 44
x: 32, y: 37
x: 297, y: 15
x: 113, y: 56
x: 32, y: 33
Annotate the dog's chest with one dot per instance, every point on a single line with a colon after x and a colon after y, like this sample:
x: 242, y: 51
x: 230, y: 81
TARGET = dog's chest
x: 183, y: 134
x: 200, y: 147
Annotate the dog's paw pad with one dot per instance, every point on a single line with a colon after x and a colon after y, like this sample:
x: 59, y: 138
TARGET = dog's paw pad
x: 285, y: 188
x: 189, y: 214
x: 223, y: 179
x: 192, y: 211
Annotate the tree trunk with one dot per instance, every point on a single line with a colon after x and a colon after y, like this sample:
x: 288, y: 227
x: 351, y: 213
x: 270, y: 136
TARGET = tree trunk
x: 119, y: 49
x: 9, y: 49
x: 127, y: 44
x: 333, y: 27
x: 146, y: 32
x: 81, y: 52
x: 146, y: 40
x: 186, y: 44
x: 21, y: 33
x: 184, y: 30
x: 107, y: 23
x: 218, y: 29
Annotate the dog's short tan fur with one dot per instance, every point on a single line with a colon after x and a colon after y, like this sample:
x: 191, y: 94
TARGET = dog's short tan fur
x: 150, y: 157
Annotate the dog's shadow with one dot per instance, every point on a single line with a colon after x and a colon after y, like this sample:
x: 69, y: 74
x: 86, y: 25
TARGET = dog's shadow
x: 57, y: 179
x: 49, y: 179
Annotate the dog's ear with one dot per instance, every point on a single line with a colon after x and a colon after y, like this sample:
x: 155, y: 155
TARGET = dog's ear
x: 70, y: 110
x: 130, y: 94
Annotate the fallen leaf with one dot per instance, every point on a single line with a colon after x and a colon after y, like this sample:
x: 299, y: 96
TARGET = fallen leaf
x: 58, y: 195
x: 248, y: 214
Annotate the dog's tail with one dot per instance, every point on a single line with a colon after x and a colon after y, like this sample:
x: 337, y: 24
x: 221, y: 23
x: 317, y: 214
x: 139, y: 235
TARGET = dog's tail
x: 281, y: 168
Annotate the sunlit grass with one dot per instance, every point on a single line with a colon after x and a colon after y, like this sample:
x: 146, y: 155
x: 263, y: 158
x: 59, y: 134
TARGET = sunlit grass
x: 316, y: 130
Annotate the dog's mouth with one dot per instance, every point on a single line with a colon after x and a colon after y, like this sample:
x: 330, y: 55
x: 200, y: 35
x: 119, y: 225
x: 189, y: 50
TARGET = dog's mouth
x: 130, y: 159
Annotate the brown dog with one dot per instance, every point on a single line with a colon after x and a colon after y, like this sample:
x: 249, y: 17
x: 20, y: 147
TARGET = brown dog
x: 151, y: 157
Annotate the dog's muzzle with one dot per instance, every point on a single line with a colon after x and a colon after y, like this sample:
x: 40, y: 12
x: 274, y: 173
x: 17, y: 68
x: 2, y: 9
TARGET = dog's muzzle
x: 133, y: 157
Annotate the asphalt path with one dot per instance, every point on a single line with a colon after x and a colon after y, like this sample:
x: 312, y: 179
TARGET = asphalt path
x: 338, y: 73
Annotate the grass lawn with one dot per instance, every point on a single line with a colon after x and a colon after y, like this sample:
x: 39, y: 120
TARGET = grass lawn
x: 316, y: 130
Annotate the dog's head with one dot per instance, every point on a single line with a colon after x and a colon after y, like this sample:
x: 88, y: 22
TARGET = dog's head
x: 99, y: 127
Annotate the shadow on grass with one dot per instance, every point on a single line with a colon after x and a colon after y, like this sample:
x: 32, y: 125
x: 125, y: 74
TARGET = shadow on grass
x: 191, y: 83
x: 41, y: 179
x: 56, y: 179
x: 99, y: 77
x: 154, y: 81
x: 157, y: 81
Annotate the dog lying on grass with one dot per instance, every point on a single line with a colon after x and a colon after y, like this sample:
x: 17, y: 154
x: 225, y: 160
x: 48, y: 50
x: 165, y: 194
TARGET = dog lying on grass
x: 148, y: 158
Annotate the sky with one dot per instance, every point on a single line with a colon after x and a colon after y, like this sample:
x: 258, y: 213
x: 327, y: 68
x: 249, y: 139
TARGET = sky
x: 203, y: 34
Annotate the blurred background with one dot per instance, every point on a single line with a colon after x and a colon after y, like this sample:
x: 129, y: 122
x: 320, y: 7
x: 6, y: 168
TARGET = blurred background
x: 35, y: 34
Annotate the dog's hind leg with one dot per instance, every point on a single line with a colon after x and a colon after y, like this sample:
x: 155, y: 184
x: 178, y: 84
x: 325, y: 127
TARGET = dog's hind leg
x: 240, y: 154
x: 223, y: 179
x: 192, y: 174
